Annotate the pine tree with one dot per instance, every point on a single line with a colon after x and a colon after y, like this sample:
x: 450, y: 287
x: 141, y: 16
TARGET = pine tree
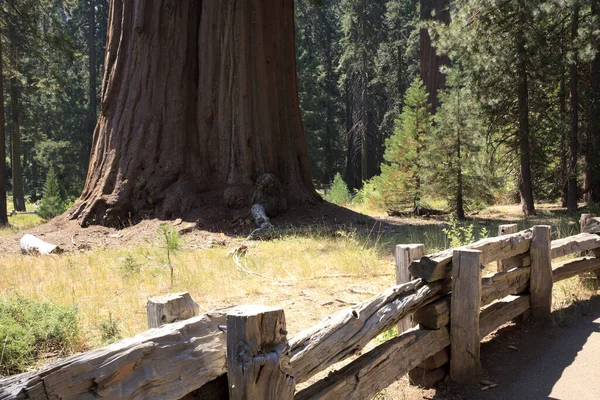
x: 400, y: 181
x: 453, y: 159
x: 52, y: 203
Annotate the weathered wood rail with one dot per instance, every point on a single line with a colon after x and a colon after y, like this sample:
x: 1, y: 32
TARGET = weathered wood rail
x: 244, y: 352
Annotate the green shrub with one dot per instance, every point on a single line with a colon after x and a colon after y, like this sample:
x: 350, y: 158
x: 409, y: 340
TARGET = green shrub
x: 29, y: 329
x: 110, y: 330
x: 338, y: 194
x: 53, y: 202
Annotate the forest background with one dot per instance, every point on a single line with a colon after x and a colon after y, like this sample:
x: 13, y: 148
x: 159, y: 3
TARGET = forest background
x: 506, y: 111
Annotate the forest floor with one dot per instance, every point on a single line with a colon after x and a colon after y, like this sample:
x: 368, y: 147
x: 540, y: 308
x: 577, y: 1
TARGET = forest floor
x: 317, y: 262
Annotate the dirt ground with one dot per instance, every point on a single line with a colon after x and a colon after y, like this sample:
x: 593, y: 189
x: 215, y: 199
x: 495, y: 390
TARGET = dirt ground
x: 222, y: 226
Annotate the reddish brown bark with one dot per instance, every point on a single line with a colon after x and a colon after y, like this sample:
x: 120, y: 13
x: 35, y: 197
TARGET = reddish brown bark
x: 197, y: 97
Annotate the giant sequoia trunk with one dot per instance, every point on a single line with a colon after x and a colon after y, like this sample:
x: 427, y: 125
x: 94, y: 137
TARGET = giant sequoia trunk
x: 197, y: 97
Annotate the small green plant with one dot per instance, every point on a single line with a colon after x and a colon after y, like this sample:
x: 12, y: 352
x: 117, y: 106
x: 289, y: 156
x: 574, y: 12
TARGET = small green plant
x: 30, y: 329
x: 171, y: 243
x: 53, y: 202
x: 338, y: 194
x: 129, y: 266
x: 110, y: 329
x: 459, y: 235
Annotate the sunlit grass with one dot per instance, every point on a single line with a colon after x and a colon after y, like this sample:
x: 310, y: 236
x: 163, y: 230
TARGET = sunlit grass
x: 107, y: 282
x: 21, y: 222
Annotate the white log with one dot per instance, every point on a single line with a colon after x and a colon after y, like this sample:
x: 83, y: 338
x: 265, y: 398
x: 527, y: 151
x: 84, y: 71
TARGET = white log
x: 33, y: 245
x: 170, y: 308
x: 260, y: 217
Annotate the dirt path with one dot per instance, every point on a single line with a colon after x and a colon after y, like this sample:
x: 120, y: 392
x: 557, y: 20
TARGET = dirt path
x: 542, y: 362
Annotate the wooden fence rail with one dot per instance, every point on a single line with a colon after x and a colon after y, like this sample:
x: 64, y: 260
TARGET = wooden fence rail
x: 176, y: 359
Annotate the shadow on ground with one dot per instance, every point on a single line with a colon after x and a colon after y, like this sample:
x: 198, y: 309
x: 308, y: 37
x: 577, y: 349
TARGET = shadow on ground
x: 541, y: 361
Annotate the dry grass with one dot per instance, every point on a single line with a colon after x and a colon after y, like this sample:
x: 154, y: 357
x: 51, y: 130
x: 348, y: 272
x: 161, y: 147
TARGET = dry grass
x: 21, y: 222
x: 294, y: 272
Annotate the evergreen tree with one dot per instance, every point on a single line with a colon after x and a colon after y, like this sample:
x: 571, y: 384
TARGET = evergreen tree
x: 53, y: 202
x: 400, y: 181
x: 454, y: 158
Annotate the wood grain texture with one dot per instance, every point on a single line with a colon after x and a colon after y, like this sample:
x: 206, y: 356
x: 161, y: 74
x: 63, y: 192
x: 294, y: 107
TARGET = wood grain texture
x: 493, y: 287
x: 165, y: 363
x: 170, y: 308
x: 502, y: 284
x: 574, y: 244
x: 405, y: 253
x: 440, y: 358
x: 592, y: 225
x: 465, y: 364
x: 378, y: 368
x: 427, y: 378
x: 348, y: 331
x: 258, y: 354
x: 438, y: 266
x: 541, y: 273
x: 577, y: 266
x: 434, y: 315
x: 505, y: 229
x: 499, y: 313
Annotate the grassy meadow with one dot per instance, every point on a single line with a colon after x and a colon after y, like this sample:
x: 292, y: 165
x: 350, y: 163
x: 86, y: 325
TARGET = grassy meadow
x: 311, y: 273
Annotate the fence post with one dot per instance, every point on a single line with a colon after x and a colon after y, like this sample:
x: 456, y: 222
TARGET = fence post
x: 170, y: 308
x: 258, y: 358
x: 505, y: 229
x: 541, y: 273
x: 405, y: 253
x: 584, y: 220
x: 465, y: 364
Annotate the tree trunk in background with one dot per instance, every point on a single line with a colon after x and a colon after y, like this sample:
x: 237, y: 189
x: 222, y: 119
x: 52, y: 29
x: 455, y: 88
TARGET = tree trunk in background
x: 573, y: 142
x: 197, y: 97
x: 15, y: 111
x: 91, y: 39
x: 430, y: 62
x: 562, y: 98
x: 3, y: 214
x: 594, y: 134
x: 523, y: 96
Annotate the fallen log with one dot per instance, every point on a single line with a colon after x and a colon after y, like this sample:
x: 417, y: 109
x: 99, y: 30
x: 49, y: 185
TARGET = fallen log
x: 574, y: 244
x: 163, y: 364
x: 437, y: 266
x: 33, y: 245
x: 577, y: 266
x: 348, y: 331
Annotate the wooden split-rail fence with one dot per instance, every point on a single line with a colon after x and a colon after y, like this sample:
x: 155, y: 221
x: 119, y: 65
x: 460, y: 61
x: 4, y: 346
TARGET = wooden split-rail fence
x: 441, y: 303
